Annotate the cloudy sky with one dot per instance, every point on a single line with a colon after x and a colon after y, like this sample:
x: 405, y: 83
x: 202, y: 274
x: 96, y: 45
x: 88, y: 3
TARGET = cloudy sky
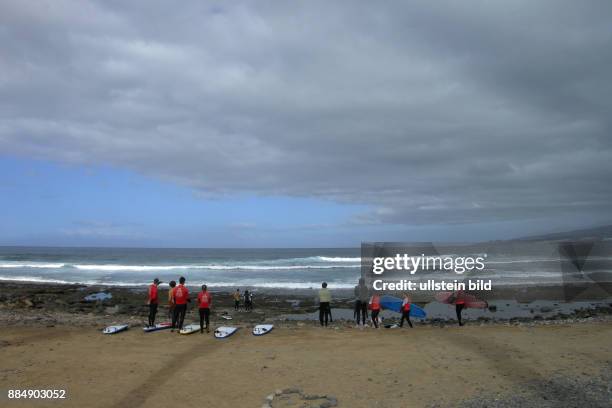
x: 302, y: 123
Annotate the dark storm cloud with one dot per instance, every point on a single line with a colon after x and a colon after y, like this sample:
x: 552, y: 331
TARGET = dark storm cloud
x: 445, y: 112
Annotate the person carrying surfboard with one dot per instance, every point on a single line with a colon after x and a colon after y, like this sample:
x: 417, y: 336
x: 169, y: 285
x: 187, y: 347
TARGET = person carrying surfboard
x: 459, y: 299
x: 362, y: 296
x: 181, y: 297
x: 204, y: 304
x: 324, y: 304
x: 375, y: 308
x: 406, y: 304
x: 153, y: 301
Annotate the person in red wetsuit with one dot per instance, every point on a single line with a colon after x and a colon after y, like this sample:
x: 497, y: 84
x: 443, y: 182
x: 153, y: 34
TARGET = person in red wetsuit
x: 204, y: 304
x: 406, y: 310
x: 459, y: 305
x: 181, y: 297
x: 375, y: 308
x: 153, y: 301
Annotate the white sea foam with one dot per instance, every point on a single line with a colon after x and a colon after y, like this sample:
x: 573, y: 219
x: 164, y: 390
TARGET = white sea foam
x: 238, y: 283
x: 31, y: 265
x: 337, y: 259
x: 220, y: 267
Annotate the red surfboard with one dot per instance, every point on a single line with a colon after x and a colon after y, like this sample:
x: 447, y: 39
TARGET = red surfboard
x: 470, y: 300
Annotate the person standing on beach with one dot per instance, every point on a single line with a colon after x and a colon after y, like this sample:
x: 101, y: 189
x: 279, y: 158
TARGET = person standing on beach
x: 181, y: 297
x: 324, y: 304
x: 248, y: 299
x: 204, y: 304
x: 153, y: 301
x: 375, y: 307
x: 171, y: 301
x: 237, y: 300
x: 362, y: 296
x: 406, y: 310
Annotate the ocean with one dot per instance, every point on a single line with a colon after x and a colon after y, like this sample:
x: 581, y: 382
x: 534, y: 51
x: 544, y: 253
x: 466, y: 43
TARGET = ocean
x: 304, y: 268
x: 264, y: 268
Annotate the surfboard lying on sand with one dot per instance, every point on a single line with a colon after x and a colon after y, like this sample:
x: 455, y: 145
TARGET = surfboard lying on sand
x: 262, y: 329
x: 395, y: 304
x: 225, y: 331
x: 115, y: 329
x: 157, y: 327
x: 470, y: 300
x: 190, y: 328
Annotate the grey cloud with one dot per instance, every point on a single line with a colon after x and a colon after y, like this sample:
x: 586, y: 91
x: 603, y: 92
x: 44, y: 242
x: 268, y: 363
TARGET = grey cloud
x: 429, y: 113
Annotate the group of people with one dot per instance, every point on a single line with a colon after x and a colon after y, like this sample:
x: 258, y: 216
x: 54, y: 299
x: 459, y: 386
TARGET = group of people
x: 247, y: 297
x: 366, y: 300
x: 178, y: 297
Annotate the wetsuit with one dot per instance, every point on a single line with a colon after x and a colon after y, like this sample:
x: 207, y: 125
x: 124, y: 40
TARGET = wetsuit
x: 181, y: 295
x: 153, y: 303
x: 459, y: 306
x: 361, y: 304
x: 375, y: 305
x: 324, y: 306
x: 405, y: 313
x: 204, y: 302
x: 236, y: 300
x: 170, y: 305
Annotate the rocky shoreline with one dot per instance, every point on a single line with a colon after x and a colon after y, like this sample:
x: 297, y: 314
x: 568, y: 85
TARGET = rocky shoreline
x: 61, y: 304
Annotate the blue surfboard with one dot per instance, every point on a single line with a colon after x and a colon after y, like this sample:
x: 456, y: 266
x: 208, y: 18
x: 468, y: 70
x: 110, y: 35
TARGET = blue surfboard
x: 395, y: 304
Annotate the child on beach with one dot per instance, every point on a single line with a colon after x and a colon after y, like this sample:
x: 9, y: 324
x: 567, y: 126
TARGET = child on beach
x: 324, y: 304
x: 236, y: 296
x: 406, y: 310
x: 180, y: 295
x: 153, y: 301
x: 375, y: 308
x: 204, y: 304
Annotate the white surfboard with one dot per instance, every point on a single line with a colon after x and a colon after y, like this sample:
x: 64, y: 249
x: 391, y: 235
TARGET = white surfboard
x: 115, y: 329
x: 157, y: 327
x: 190, y: 328
x: 226, y: 317
x: 225, y: 331
x: 262, y: 329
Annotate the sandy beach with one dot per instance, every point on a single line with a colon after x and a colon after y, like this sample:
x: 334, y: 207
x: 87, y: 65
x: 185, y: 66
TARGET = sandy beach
x: 51, y: 339
x: 422, y: 367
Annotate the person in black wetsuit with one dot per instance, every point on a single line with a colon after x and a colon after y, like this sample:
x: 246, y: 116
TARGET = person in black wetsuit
x: 324, y: 304
x: 362, y: 296
x: 459, y: 305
